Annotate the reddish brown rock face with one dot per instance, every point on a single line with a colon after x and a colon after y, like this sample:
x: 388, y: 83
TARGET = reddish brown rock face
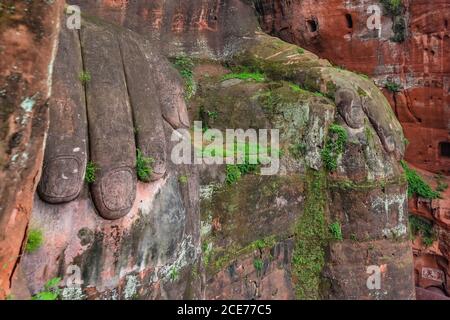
x: 337, y: 30
x: 126, y: 239
x: 257, y: 231
x: 28, y: 41
x: 432, y: 261
x: 200, y: 27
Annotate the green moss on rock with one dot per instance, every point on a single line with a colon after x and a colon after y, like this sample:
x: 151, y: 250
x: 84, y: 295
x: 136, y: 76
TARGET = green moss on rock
x: 311, y: 238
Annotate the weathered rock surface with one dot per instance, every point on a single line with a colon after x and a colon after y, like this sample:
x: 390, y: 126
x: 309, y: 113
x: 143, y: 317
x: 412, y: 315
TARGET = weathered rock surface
x: 208, y: 28
x: 420, y: 66
x: 268, y: 237
x: 432, y: 266
x: 123, y: 239
x: 28, y: 42
x: 309, y: 232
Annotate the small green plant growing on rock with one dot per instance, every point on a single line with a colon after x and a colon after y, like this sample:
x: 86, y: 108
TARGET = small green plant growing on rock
x: 144, y: 168
x: 85, y: 77
x: 183, y: 179
x: 213, y: 115
x: 300, y: 51
x: 235, y: 171
x: 185, y: 66
x: 416, y: 185
x: 255, y: 76
x: 334, y: 146
x: 233, y: 174
x: 34, y: 241
x: 298, y: 150
x: 50, y: 292
x: 424, y: 228
x: 392, y: 7
x: 392, y: 86
x: 336, y: 231
x: 174, y: 274
x: 319, y: 94
x: 258, y: 264
x: 91, y: 171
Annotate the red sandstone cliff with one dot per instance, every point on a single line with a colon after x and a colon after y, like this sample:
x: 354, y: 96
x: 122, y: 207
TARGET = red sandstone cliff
x: 420, y: 65
x: 242, y: 226
x: 28, y: 43
x: 151, y: 251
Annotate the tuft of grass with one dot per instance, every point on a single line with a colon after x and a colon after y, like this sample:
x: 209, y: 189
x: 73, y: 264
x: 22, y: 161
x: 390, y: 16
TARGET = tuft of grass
x: 174, y: 274
x: 185, y: 66
x: 298, y: 150
x: 301, y: 51
x: 144, y: 168
x: 256, y: 76
x: 85, y: 77
x: 334, y: 146
x: 34, y: 241
x: 207, y: 117
x: 336, y: 231
x: 233, y: 174
x: 91, y: 170
x: 392, y: 86
x: 50, y: 292
x: 183, y: 179
x: 296, y: 88
x: 416, y: 185
x: 392, y: 7
x: 235, y: 171
x: 261, y: 244
x: 258, y: 264
x: 319, y: 94
x: 422, y: 227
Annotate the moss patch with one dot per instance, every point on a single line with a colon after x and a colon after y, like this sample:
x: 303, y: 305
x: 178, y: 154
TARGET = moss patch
x: 256, y: 76
x: 215, y: 260
x: 424, y: 228
x: 50, y: 291
x: 185, y: 66
x: 311, y: 238
x: 334, y: 146
x: 144, y: 168
x: 91, y: 170
x: 34, y: 241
